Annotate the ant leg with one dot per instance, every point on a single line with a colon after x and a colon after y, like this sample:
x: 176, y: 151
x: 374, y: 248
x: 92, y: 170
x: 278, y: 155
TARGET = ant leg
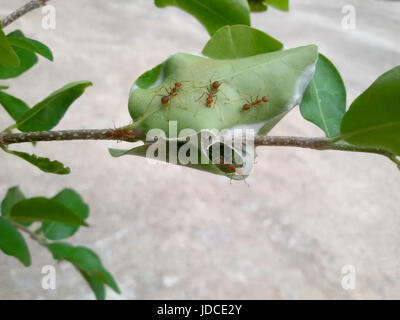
x: 221, y: 114
x: 243, y: 93
x: 204, y: 93
x: 225, y: 95
x: 149, y: 105
x: 181, y: 103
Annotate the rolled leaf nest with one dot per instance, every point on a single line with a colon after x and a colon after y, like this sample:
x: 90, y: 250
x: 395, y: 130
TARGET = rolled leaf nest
x: 280, y: 76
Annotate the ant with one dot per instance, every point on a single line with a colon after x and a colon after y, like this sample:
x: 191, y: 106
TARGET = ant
x: 230, y: 167
x: 172, y: 92
x: 211, y: 93
x: 255, y: 103
x: 118, y: 134
x: 231, y: 170
x: 165, y: 99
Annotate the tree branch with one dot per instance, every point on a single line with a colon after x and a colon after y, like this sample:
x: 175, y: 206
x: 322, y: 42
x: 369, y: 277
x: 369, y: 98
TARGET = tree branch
x: 88, y: 134
x: 134, y: 135
x: 321, y: 144
x: 31, y: 5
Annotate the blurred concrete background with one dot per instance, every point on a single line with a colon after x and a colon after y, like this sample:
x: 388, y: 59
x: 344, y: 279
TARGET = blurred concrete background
x: 167, y: 232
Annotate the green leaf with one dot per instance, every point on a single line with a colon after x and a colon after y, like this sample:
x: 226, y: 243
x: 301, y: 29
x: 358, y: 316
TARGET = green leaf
x: 324, y: 102
x: 279, y: 4
x: 8, y: 57
x: 373, y: 119
x: 84, y: 259
x: 95, y: 284
x: 43, y: 209
x: 282, y: 76
x: 30, y: 45
x: 213, y: 14
x: 27, y: 60
x: 149, y: 77
x: 239, y: 41
x: 141, y: 151
x: 72, y: 200
x: 47, y: 114
x: 14, y: 106
x: 44, y: 164
x: 13, y: 196
x: 3, y: 87
x: 258, y: 5
x: 12, y: 243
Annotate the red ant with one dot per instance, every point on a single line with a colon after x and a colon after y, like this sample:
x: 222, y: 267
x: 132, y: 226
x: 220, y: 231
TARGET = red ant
x: 165, y: 98
x: 172, y: 92
x: 118, y: 134
x: 229, y: 167
x: 232, y: 170
x: 257, y: 102
x: 212, y: 92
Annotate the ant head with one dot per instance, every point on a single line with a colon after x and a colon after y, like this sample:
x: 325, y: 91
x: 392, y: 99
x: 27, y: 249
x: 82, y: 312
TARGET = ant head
x: 246, y: 107
x: 178, y: 84
x: 209, y: 101
x: 265, y: 99
x: 216, y: 84
x: 164, y: 99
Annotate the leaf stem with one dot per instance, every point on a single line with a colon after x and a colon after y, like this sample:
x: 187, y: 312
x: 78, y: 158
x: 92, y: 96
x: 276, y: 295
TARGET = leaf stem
x: 32, y: 234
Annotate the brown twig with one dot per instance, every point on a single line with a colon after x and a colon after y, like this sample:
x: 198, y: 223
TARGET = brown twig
x: 63, y: 135
x: 32, y: 234
x: 7, y: 138
x: 31, y: 5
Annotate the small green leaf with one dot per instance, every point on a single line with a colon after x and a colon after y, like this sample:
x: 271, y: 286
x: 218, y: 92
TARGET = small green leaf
x: 373, y: 119
x: 72, y: 200
x: 258, y: 5
x: 95, y: 284
x: 27, y: 60
x: 43, y: 209
x: 279, y: 4
x: 13, y: 196
x: 84, y: 259
x: 12, y: 243
x: 8, y: 57
x: 3, y: 87
x: 232, y: 42
x: 149, y: 77
x: 31, y: 45
x: 324, y: 102
x: 211, y: 13
x: 44, y: 164
x: 47, y: 114
x: 14, y: 106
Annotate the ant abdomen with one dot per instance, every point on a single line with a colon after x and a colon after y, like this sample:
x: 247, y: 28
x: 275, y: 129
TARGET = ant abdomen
x: 164, y: 99
x: 246, y: 107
